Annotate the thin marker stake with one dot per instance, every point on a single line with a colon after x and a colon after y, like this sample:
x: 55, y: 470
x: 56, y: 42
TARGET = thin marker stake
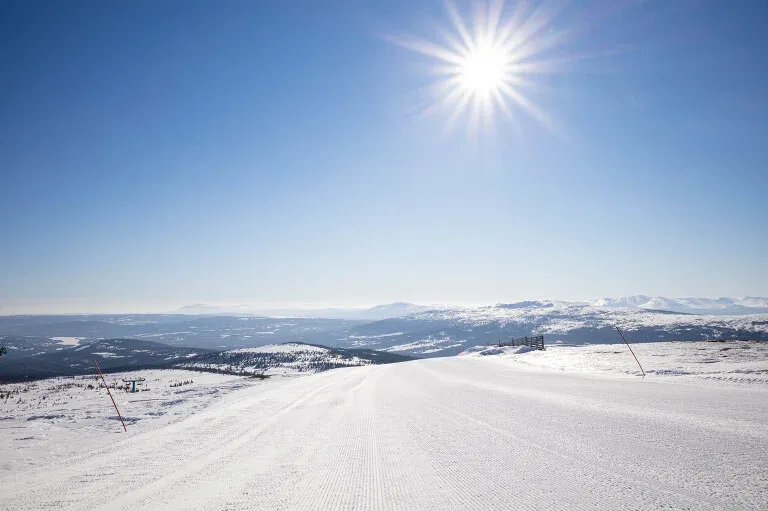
x: 110, y: 395
x: 630, y: 349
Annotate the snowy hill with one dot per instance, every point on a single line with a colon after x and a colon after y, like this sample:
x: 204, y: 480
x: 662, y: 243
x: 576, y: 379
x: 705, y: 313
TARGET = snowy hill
x: 289, y: 358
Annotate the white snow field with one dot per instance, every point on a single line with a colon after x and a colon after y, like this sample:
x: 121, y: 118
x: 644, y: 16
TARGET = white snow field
x: 44, y: 421
x: 741, y: 362
x: 468, y: 432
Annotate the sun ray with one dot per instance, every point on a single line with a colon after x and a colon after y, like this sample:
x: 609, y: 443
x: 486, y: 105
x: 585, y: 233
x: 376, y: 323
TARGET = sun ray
x: 485, y: 61
x: 460, y: 27
x: 495, y: 9
x: 430, y: 50
x: 458, y: 109
x: 529, y: 107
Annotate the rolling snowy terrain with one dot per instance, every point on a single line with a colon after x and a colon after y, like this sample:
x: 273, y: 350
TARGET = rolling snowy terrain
x: 569, y: 428
x: 414, y: 330
x: 440, y: 332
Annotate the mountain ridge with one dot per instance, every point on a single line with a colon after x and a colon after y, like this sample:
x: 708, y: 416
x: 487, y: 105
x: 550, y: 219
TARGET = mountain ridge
x: 694, y: 305
x: 381, y: 311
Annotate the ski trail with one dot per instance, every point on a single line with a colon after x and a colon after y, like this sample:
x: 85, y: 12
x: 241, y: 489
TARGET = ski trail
x: 436, y: 434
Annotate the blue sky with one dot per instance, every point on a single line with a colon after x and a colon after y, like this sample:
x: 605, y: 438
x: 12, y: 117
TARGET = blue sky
x: 154, y: 154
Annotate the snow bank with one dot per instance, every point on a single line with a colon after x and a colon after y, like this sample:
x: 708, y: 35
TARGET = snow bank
x: 484, y: 351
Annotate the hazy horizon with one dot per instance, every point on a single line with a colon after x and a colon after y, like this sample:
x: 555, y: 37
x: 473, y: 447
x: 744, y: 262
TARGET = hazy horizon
x: 245, y: 306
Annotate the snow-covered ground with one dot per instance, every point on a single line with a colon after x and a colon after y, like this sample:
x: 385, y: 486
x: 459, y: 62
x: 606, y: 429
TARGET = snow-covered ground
x: 46, y: 420
x: 537, y: 430
x: 715, y: 362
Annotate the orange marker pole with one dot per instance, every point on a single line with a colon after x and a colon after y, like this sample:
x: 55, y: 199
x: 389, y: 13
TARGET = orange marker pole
x: 630, y: 350
x: 110, y: 395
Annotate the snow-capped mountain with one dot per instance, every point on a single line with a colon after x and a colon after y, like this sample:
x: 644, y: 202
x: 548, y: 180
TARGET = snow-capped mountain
x: 722, y: 305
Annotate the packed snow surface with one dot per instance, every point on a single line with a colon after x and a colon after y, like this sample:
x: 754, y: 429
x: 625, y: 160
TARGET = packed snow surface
x: 468, y: 432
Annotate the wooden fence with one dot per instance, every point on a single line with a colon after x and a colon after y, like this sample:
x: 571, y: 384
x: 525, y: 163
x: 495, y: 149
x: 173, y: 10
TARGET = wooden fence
x: 536, y: 341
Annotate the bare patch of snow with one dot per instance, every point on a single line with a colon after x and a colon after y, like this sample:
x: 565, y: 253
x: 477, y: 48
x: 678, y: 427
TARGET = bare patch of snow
x: 68, y: 341
x: 106, y: 354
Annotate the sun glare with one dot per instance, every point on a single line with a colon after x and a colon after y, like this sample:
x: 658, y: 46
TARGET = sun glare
x: 483, y: 70
x: 487, y: 66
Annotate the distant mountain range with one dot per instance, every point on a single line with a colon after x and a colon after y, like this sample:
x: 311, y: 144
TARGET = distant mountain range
x: 714, y: 306
x: 409, y: 329
x: 390, y: 310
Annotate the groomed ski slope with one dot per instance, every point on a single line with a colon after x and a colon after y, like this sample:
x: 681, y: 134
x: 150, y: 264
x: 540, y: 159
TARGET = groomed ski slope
x: 455, y: 433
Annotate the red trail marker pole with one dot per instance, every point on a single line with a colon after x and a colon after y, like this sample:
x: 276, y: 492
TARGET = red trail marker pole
x: 630, y: 350
x: 110, y: 395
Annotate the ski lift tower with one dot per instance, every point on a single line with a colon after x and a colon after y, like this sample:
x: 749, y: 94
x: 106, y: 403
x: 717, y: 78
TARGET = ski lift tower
x: 133, y: 382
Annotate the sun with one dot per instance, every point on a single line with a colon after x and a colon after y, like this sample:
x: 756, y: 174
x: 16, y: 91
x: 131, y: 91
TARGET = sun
x: 489, y: 65
x: 483, y: 71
